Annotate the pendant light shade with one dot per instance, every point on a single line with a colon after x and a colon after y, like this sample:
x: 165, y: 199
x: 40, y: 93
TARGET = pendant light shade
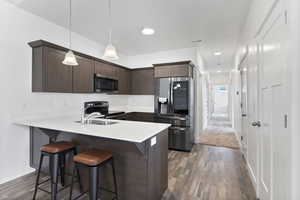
x: 110, y: 52
x: 70, y: 58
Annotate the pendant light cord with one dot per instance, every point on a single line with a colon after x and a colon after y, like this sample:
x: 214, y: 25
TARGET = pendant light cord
x: 70, y: 24
x: 110, y: 21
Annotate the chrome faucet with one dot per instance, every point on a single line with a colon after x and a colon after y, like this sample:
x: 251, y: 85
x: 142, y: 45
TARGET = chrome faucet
x: 85, y: 119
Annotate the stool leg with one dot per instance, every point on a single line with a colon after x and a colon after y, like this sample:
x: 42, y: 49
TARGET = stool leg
x: 54, y: 159
x: 38, y: 176
x: 78, y: 174
x: 72, y: 182
x: 115, y: 178
x: 94, y: 181
x: 62, y: 160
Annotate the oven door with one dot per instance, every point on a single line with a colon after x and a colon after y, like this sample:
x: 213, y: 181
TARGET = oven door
x: 103, y: 84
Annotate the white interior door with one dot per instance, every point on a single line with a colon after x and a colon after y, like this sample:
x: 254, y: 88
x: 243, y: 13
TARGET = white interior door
x: 253, y: 116
x: 244, y: 101
x: 274, y: 183
x: 220, y: 99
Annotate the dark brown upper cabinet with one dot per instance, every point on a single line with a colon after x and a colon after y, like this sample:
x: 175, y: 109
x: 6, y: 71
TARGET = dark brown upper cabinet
x: 142, y: 81
x: 106, y: 70
x: 177, y: 69
x: 83, y: 76
x: 50, y: 75
x: 124, y: 77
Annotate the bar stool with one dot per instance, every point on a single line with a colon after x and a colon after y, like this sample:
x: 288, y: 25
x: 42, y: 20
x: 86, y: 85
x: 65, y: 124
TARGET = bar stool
x: 94, y: 159
x: 57, y: 152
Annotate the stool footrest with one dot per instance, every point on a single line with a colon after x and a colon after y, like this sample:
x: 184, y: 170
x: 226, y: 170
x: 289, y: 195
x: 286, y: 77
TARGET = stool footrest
x: 100, y: 188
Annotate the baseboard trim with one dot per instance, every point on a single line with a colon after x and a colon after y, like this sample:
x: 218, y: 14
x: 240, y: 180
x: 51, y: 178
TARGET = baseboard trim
x: 7, y: 180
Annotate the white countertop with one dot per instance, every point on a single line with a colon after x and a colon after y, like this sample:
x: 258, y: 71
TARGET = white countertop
x: 123, y: 130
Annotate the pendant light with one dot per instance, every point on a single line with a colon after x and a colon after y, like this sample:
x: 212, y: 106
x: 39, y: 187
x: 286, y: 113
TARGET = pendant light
x: 110, y: 52
x: 70, y: 58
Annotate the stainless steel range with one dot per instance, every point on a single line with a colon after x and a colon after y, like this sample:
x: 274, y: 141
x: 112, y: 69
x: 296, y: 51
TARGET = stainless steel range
x: 174, y: 104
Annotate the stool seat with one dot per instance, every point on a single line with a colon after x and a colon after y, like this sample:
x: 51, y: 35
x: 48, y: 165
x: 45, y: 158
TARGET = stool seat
x: 57, y: 147
x: 93, y: 157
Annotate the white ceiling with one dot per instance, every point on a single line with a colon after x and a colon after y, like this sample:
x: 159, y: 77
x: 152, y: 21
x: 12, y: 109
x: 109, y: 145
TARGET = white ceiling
x: 176, y: 22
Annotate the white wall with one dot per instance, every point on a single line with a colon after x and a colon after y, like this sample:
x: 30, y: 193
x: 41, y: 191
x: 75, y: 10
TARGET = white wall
x: 222, y: 78
x: 236, y: 103
x: 294, y: 82
x: 17, y: 100
x: 205, y: 99
x: 141, y: 103
x: 148, y: 60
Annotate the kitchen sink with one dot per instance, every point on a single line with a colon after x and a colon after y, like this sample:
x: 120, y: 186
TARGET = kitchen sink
x: 99, y: 122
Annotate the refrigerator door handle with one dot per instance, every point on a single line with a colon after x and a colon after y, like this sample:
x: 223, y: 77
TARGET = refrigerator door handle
x: 171, y: 96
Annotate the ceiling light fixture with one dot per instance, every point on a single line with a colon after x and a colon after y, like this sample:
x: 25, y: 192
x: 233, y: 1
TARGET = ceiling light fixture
x: 219, y: 71
x: 148, y: 31
x: 70, y: 58
x: 197, y: 41
x: 218, y: 53
x: 110, y: 52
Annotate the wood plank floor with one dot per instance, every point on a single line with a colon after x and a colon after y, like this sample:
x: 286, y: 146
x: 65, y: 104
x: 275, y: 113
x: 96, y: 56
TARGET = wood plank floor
x: 207, y: 173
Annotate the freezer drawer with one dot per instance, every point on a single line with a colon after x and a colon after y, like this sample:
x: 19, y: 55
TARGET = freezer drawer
x: 180, y: 138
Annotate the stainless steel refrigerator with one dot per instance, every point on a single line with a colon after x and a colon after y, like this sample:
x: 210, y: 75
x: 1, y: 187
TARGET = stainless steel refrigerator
x: 174, y: 104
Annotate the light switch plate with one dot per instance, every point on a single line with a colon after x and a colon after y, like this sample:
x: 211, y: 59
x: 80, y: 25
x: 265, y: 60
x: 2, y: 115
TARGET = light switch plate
x: 153, y: 141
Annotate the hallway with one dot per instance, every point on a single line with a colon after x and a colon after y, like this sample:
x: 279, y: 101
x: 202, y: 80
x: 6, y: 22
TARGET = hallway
x: 219, y: 133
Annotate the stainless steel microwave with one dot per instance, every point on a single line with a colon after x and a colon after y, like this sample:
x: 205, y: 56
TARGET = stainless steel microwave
x: 104, y: 84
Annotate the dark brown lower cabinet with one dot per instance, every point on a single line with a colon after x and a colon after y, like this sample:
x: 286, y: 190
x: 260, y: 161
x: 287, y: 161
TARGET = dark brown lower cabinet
x: 141, y: 168
x: 142, y: 81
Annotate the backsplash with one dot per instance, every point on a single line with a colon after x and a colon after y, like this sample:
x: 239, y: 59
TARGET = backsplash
x: 140, y: 103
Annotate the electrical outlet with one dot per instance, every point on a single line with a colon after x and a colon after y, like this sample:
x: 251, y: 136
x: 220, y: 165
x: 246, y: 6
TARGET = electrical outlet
x: 153, y: 141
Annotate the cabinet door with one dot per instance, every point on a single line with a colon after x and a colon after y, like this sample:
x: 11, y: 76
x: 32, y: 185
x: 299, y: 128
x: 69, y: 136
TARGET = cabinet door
x: 173, y: 71
x: 124, y: 80
x: 162, y: 71
x: 181, y: 71
x: 58, y: 76
x: 83, y: 76
x: 106, y: 70
x: 142, y: 81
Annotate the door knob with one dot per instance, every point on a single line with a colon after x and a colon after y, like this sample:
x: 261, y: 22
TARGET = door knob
x: 258, y: 124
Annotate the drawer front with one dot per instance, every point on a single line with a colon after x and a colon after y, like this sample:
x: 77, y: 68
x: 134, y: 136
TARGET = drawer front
x: 180, y: 138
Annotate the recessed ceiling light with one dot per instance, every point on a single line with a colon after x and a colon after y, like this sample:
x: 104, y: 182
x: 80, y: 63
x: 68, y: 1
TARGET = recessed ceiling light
x: 218, y: 53
x: 197, y: 41
x: 148, y: 31
x: 219, y: 71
